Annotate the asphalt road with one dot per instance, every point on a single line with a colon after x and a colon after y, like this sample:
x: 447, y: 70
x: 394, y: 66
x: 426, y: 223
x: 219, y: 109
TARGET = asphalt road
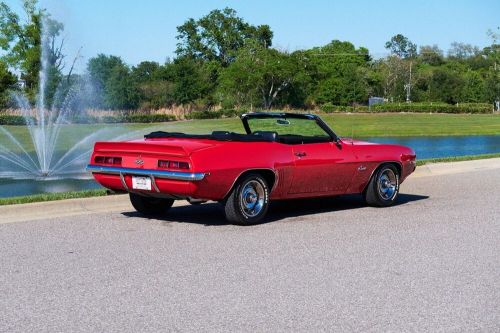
x: 431, y: 263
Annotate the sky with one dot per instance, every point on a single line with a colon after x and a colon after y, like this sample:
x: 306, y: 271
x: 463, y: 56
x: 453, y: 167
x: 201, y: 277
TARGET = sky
x: 139, y: 30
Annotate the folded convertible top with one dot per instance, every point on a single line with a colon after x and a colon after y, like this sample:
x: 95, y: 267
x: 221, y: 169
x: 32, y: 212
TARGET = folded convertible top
x: 261, y: 136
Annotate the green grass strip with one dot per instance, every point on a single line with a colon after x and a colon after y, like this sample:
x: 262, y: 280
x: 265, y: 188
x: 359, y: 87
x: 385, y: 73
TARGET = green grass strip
x: 457, y: 158
x: 52, y: 197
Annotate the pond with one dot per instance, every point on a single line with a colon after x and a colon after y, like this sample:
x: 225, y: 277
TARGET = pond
x: 425, y: 147
x: 445, y: 146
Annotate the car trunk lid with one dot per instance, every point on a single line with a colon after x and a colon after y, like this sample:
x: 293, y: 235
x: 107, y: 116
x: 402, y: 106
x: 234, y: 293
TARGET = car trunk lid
x: 145, y: 153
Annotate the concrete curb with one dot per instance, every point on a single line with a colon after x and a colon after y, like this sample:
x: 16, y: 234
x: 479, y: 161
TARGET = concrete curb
x: 119, y: 203
x: 447, y: 168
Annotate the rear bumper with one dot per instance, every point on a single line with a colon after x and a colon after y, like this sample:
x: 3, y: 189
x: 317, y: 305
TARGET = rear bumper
x: 174, y: 175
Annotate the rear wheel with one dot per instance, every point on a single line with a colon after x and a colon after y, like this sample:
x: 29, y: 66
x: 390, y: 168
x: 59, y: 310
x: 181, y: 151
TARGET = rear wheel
x: 150, y: 206
x: 249, y: 200
x: 383, y: 188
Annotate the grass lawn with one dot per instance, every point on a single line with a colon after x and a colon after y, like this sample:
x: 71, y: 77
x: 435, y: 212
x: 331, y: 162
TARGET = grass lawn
x: 361, y: 125
x: 457, y: 158
x: 52, y: 197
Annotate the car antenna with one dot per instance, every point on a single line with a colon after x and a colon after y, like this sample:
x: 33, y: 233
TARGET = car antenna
x: 352, y: 135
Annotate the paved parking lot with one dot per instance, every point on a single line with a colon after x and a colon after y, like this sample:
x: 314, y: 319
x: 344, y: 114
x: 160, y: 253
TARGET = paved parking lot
x: 431, y: 263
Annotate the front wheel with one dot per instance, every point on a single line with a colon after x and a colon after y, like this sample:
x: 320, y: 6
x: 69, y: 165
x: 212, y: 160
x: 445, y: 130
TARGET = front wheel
x: 249, y: 200
x: 150, y: 206
x: 383, y: 188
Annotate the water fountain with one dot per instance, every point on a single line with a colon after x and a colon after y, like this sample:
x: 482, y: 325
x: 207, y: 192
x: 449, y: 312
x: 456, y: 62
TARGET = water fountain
x: 44, y: 123
x: 46, y: 156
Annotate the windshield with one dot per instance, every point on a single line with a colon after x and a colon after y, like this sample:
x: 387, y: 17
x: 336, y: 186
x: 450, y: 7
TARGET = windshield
x: 288, y: 127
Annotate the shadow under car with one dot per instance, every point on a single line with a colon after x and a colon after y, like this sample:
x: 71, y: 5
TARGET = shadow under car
x: 212, y: 213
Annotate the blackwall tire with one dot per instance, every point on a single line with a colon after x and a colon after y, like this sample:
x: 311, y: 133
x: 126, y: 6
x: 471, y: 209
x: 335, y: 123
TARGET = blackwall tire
x: 383, y: 188
x: 248, y: 202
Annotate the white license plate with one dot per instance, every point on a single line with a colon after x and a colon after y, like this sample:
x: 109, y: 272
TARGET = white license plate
x: 141, y: 183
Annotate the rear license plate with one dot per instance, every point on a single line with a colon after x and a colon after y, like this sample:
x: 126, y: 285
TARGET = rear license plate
x: 141, y: 183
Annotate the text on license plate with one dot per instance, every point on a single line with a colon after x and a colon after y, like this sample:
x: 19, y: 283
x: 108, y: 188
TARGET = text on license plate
x: 141, y: 183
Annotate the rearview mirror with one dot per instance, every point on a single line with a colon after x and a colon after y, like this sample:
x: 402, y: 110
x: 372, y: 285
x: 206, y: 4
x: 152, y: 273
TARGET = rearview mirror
x: 282, y: 122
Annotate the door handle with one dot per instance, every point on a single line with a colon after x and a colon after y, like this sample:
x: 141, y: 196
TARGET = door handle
x: 300, y: 154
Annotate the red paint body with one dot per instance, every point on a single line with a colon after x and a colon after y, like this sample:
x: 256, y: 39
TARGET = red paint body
x: 326, y: 169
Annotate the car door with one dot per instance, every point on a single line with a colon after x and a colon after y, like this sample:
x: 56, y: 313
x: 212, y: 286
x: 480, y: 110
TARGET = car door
x: 322, y: 168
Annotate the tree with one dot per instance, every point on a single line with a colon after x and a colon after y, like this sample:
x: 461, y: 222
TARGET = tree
x: 121, y: 90
x: 258, y: 73
x: 492, y: 86
x: 492, y: 82
x: 22, y: 42
x: 99, y: 70
x: 446, y: 85
x: 7, y: 81
x: 431, y: 55
x: 462, y: 51
x: 100, y: 67
x: 401, y: 46
x: 146, y: 71
x: 336, y: 69
x: 218, y: 36
x: 193, y: 81
x: 155, y: 84
x: 473, y: 89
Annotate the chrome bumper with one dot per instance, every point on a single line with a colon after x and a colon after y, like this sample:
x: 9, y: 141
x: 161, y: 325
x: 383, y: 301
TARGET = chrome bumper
x: 146, y: 172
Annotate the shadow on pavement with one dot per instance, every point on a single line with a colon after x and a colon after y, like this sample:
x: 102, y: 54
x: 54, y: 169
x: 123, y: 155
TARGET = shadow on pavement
x: 212, y: 214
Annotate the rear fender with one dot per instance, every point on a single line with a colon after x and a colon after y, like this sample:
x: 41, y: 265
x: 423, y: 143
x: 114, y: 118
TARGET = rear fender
x: 267, y: 173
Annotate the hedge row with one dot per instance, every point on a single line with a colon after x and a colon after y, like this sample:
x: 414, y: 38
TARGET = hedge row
x: 7, y: 119
x: 433, y: 108
x: 125, y: 118
x: 330, y: 108
x: 224, y: 113
x: 138, y: 118
x: 412, y: 107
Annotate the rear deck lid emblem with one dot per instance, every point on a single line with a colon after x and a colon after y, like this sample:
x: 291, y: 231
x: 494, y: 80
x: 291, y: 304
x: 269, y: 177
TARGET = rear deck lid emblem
x: 139, y: 161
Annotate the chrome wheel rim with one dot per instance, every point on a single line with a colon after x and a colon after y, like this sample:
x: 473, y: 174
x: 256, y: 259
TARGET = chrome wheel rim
x: 387, y: 184
x: 252, y: 197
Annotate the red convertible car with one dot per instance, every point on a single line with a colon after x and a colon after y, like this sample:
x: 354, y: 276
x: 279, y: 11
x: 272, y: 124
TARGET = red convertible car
x: 281, y: 156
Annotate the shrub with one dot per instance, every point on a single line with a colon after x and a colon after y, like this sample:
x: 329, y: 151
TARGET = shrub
x: 477, y: 108
x: 148, y: 118
x: 222, y: 113
x: 330, y: 108
x: 204, y: 115
x: 138, y: 118
x: 7, y: 119
x: 230, y: 113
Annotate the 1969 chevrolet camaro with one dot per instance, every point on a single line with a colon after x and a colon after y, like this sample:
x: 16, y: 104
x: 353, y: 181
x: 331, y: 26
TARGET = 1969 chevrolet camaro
x: 281, y: 156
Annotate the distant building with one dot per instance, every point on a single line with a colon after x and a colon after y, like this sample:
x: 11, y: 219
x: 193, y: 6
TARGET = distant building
x: 375, y: 100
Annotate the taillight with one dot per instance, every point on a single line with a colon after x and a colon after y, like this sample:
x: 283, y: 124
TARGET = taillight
x: 183, y: 165
x: 163, y: 164
x: 173, y: 165
x: 108, y: 160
